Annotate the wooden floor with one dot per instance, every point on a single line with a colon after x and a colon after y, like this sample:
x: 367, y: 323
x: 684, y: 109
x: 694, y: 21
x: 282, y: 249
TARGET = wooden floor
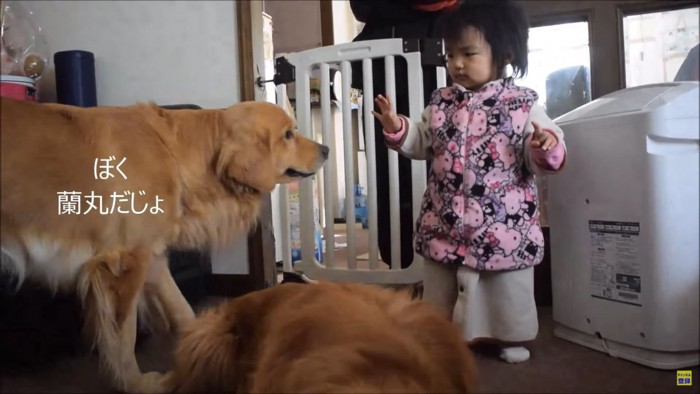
x: 340, y: 254
x: 557, y: 366
x: 39, y: 365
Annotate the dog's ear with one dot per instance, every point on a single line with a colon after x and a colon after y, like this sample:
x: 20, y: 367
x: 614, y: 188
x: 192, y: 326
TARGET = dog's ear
x: 248, y: 164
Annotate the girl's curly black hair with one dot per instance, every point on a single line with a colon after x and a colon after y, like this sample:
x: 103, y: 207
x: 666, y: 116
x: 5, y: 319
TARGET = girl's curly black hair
x: 503, y: 23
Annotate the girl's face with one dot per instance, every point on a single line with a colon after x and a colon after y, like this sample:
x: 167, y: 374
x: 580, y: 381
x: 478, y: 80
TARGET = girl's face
x: 469, y: 60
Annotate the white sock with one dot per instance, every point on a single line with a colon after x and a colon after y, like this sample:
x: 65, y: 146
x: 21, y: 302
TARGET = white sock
x: 515, y: 354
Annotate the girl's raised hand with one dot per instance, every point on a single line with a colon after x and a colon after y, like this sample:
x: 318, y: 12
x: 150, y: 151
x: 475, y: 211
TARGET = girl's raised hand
x: 387, y: 116
x: 542, y: 138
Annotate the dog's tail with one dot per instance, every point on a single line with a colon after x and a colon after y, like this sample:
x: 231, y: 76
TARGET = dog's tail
x: 12, y: 270
x: 206, y: 354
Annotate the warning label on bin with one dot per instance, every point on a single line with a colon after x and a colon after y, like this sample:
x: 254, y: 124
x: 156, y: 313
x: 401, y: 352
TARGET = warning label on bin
x: 615, y: 267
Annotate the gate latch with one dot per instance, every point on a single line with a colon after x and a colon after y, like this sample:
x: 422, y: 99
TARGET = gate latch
x: 284, y: 73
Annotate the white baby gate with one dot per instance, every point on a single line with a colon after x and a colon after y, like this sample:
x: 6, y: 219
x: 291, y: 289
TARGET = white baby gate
x: 297, y: 67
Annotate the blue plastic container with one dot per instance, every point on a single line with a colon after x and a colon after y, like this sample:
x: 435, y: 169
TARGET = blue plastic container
x: 75, y: 78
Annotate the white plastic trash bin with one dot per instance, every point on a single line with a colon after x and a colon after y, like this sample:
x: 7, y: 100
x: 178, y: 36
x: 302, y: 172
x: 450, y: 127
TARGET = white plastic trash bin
x: 624, y: 225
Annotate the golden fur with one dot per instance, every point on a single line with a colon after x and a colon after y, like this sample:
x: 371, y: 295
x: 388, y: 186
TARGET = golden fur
x: 322, y: 338
x: 208, y: 167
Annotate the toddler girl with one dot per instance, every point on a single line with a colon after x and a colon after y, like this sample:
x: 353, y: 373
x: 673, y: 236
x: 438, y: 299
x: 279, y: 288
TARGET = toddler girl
x: 486, y: 139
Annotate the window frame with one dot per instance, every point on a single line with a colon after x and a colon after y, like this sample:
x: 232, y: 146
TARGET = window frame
x: 604, y: 21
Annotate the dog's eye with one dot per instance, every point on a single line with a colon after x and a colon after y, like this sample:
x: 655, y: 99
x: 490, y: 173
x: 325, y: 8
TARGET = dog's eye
x: 289, y: 134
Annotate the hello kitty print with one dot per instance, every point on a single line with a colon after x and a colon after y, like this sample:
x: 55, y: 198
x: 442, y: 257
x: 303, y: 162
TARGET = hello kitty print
x: 480, y: 207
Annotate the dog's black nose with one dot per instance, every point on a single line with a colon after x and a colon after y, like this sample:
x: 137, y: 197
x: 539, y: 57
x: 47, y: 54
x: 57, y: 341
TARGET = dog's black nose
x: 324, y: 151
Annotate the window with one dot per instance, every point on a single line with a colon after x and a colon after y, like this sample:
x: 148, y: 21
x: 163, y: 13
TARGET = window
x: 559, y: 66
x: 657, y: 43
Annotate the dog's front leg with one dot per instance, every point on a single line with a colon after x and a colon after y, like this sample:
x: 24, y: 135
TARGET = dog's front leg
x: 110, y: 286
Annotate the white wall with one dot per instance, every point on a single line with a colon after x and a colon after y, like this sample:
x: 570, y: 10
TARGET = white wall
x: 170, y: 52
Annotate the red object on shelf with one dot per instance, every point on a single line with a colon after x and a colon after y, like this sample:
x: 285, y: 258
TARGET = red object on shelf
x: 20, y: 88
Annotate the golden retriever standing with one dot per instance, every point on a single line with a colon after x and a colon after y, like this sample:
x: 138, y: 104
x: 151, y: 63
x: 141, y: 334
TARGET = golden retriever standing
x: 322, y: 338
x: 92, y: 197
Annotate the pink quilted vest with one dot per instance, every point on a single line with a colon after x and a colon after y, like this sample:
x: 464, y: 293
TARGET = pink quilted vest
x: 480, y: 207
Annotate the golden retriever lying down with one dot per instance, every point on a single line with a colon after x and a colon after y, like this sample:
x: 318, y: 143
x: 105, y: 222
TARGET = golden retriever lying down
x: 148, y: 179
x: 322, y: 338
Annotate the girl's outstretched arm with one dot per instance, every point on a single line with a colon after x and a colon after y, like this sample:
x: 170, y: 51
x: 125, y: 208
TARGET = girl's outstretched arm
x: 409, y: 138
